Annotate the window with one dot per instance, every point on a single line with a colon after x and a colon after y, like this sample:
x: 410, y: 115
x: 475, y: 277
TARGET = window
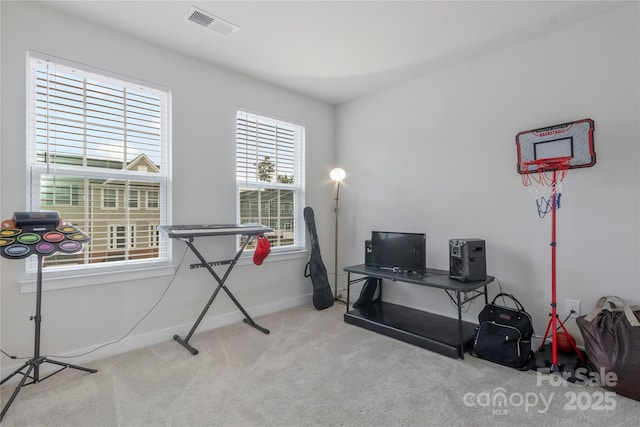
x: 270, y: 177
x: 59, y: 192
x: 154, y: 235
x: 98, y: 144
x: 153, y: 201
x: 134, y: 197
x: 109, y: 198
x: 118, y: 237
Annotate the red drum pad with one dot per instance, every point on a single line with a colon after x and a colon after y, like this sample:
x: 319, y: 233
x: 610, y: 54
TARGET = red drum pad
x: 53, y: 237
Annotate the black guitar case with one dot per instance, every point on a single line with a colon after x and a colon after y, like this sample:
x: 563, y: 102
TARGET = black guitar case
x: 322, y: 295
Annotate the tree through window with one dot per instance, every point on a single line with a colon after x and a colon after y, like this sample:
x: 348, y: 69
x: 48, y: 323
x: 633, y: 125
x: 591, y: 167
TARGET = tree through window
x: 270, y: 177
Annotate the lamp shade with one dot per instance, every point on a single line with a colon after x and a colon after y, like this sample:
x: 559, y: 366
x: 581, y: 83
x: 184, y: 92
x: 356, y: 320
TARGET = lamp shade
x: 337, y: 174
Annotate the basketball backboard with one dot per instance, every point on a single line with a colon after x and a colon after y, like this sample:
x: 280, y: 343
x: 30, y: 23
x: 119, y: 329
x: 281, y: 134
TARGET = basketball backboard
x: 573, y: 139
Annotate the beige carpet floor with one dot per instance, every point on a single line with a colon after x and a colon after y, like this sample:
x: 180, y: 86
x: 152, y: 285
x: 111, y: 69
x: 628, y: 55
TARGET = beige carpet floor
x: 311, y: 370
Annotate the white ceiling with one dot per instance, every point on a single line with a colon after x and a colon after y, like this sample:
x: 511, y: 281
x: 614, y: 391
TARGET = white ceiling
x: 336, y: 51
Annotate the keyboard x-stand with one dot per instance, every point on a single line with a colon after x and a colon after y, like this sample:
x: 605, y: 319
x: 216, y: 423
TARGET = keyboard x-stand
x: 188, y: 233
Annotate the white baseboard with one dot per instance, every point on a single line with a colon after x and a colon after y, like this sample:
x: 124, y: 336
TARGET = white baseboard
x: 135, y: 342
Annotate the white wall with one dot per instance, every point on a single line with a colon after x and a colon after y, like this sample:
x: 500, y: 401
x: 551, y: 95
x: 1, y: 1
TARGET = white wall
x: 205, y: 99
x: 438, y: 156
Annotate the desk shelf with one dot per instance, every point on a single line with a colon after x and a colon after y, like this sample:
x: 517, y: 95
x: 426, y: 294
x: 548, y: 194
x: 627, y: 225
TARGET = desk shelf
x: 427, y: 330
x: 446, y: 335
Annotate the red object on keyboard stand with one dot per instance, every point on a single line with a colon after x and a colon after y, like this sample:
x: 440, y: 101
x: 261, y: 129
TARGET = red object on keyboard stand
x: 263, y: 249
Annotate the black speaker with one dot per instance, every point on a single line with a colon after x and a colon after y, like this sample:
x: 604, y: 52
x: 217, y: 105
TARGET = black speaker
x: 467, y: 260
x: 367, y: 252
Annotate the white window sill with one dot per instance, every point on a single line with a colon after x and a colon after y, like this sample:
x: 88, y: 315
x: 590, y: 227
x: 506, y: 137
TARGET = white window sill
x: 275, y: 256
x: 55, y: 282
x: 52, y: 282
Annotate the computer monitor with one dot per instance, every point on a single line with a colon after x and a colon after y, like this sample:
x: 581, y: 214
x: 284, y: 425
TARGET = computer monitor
x: 404, y: 252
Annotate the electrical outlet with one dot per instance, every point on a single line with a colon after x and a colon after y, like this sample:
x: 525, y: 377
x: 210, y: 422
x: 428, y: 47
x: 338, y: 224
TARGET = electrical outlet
x: 572, y: 305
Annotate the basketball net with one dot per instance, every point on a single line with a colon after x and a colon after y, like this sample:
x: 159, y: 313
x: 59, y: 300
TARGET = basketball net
x: 543, y: 178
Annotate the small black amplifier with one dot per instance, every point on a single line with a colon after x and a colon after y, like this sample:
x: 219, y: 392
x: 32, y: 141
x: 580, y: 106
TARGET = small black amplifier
x: 467, y: 260
x: 367, y: 252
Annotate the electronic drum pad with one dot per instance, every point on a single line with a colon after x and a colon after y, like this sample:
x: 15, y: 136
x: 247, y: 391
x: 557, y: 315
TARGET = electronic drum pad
x: 39, y: 233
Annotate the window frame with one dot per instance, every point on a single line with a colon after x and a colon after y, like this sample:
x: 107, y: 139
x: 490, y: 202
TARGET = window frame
x: 37, y: 170
x: 297, y: 187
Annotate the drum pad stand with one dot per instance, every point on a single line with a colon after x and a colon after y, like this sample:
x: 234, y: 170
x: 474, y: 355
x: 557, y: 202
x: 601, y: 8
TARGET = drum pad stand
x: 31, y: 368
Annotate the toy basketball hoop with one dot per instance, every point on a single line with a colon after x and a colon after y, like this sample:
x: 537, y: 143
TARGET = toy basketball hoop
x: 543, y: 178
x: 546, y: 154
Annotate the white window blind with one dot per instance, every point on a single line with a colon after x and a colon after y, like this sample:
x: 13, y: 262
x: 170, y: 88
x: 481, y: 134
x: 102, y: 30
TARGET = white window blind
x: 270, y: 177
x: 98, y: 153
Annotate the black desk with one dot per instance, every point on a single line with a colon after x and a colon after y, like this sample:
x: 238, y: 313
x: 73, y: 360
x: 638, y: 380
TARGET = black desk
x: 188, y: 234
x: 445, y: 335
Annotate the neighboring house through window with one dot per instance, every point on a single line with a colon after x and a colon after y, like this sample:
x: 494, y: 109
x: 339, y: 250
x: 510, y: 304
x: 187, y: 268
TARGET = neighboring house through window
x: 98, y: 153
x: 270, y: 177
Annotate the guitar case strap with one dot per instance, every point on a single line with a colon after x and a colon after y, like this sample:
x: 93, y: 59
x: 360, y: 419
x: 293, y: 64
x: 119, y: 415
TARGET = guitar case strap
x: 322, y: 295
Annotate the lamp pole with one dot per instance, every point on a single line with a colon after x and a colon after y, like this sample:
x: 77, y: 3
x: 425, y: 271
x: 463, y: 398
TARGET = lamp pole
x: 335, y: 263
x: 337, y: 175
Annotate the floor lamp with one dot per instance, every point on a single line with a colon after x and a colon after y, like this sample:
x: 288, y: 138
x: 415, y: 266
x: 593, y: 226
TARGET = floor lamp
x: 337, y: 175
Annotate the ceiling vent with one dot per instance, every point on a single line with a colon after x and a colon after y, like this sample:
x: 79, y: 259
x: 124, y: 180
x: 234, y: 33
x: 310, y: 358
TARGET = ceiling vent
x: 207, y: 20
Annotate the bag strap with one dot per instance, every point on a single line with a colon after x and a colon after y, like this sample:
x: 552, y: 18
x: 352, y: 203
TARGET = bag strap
x: 596, y: 309
x: 627, y: 310
x: 519, y: 306
x: 631, y: 317
x: 307, y: 272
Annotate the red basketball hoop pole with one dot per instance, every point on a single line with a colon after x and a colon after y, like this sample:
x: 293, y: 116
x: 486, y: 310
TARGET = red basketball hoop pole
x: 554, y: 313
x: 549, y: 173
